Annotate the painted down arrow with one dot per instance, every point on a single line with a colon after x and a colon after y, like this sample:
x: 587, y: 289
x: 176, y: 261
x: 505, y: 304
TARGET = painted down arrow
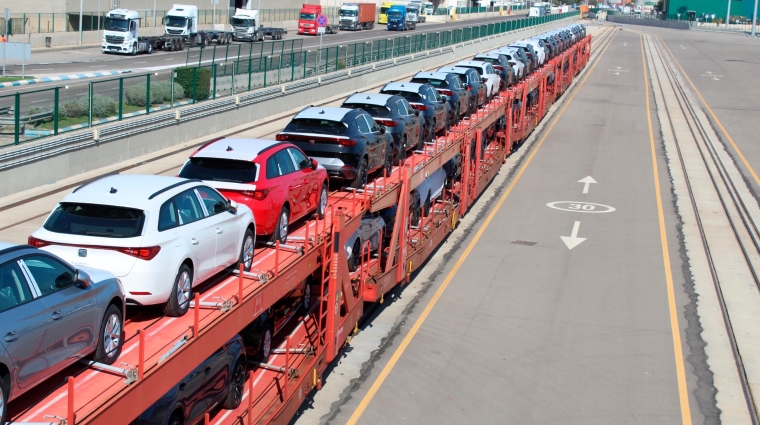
x: 573, y: 240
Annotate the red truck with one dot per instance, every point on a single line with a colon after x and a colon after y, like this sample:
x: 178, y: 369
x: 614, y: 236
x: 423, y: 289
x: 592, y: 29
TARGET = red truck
x: 357, y: 16
x: 307, y: 21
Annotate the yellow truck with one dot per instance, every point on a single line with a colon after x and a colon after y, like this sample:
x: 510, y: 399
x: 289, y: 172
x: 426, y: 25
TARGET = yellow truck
x: 383, y: 17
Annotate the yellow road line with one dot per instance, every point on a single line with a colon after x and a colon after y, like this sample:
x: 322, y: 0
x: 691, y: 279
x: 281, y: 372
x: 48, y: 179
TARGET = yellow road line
x: 429, y: 307
x: 683, y: 391
x: 715, y: 117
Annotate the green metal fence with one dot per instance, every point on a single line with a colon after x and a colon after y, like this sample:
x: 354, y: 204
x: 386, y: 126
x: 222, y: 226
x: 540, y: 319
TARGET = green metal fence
x: 52, y: 111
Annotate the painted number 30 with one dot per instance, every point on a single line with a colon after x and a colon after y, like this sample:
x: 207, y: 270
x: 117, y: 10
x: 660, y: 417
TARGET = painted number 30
x: 584, y: 207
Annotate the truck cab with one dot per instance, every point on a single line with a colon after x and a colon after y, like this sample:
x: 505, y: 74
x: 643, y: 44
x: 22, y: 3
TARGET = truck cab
x: 120, y: 33
x: 383, y: 16
x: 245, y: 25
x: 429, y: 8
x: 357, y: 16
x: 181, y: 20
x: 307, y: 20
x: 414, y: 13
x: 398, y: 19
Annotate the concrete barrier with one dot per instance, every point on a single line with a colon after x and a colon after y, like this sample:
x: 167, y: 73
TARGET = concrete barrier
x: 679, y: 25
x: 37, y: 163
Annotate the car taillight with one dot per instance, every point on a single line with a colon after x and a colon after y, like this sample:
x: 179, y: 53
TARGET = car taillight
x: 419, y: 106
x: 37, y: 243
x: 387, y: 123
x: 446, y: 92
x: 147, y: 253
x: 281, y: 137
x: 498, y: 67
x: 258, y: 195
x: 469, y: 88
x: 315, y: 139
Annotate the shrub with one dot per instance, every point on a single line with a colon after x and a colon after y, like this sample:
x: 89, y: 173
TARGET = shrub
x: 73, y: 108
x: 179, y: 92
x: 203, y: 82
x: 135, y: 95
x: 103, y: 106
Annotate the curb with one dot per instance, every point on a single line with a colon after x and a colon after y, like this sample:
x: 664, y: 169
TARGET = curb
x: 63, y: 78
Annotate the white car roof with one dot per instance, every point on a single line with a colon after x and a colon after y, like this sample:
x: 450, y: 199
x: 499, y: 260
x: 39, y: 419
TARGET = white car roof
x: 329, y: 114
x: 126, y: 190
x: 407, y: 87
x: 479, y: 64
x: 492, y: 54
x: 235, y: 148
x: 454, y: 69
x: 369, y: 98
x: 433, y: 75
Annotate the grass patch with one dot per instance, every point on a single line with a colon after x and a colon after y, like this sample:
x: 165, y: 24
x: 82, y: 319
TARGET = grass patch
x: 16, y: 78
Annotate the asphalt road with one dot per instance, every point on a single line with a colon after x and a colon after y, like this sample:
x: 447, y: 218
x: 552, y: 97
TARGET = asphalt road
x: 529, y: 331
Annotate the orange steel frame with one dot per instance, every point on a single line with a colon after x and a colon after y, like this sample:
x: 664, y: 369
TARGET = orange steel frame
x: 273, y: 396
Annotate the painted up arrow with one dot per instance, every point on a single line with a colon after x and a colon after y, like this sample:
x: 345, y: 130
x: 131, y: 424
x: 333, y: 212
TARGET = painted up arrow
x: 586, y: 182
x: 573, y: 240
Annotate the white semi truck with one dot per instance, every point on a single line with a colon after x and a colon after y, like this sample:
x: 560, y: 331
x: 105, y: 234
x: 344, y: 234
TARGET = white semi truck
x: 122, y: 26
x: 247, y: 26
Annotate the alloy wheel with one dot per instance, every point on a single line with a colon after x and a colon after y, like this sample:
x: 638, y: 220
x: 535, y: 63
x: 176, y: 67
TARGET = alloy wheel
x: 183, y: 289
x: 112, y: 335
x: 238, y: 382
x: 323, y: 201
x: 248, y: 252
x: 266, y: 346
x: 283, y: 225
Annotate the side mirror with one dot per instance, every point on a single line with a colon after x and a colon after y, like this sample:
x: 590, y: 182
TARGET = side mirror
x: 382, y: 129
x: 232, y: 206
x: 82, y: 279
x: 416, y: 112
x: 444, y: 99
x: 483, y: 79
x: 314, y: 164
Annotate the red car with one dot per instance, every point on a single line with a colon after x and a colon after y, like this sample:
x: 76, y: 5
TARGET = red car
x: 276, y: 180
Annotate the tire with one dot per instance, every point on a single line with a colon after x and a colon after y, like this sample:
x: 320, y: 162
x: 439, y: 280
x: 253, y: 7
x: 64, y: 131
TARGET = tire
x: 433, y: 130
x: 361, y: 173
x: 421, y: 142
x: 265, y: 344
x: 176, y: 419
x: 150, y: 48
x: 426, y: 206
x: 246, y: 250
x: 134, y: 49
x: 414, y: 216
x: 236, y: 386
x: 388, y: 161
x: 306, y: 296
x: 322, y: 202
x: 281, y: 228
x: 111, y: 337
x: 401, y: 156
x: 4, y: 396
x: 182, y: 293
x: 355, y: 259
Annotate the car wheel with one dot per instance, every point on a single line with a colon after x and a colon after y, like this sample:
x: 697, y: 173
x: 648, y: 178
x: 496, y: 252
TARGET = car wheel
x: 389, y: 161
x: 447, y: 127
x: 414, y: 215
x: 421, y: 141
x: 281, y: 229
x: 150, y: 48
x: 306, y: 295
x: 236, y: 387
x: 111, y: 336
x: 426, y: 206
x: 361, y: 173
x: 4, y: 396
x: 322, y: 206
x: 246, y: 251
x: 175, y: 419
x: 355, y: 259
x: 182, y: 293
x: 134, y: 50
x: 401, y: 156
x: 433, y: 130
x: 265, y: 344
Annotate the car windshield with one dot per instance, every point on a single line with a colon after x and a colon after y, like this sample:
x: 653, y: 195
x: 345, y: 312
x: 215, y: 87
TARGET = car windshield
x: 384, y: 9
x: 476, y: 68
x: 176, y: 21
x: 96, y: 220
x: 344, y: 12
x: 373, y: 110
x: 219, y: 169
x: 395, y: 15
x: 432, y: 82
x: 308, y: 16
x: 113, y: 24
x: 489, y: 60
x: 241, y: 22
x: 410, y: 96
x: 318, y: 126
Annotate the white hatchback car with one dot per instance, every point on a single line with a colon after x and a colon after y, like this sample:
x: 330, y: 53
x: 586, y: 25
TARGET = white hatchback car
x: 485, y: 69
x: 160, y: 235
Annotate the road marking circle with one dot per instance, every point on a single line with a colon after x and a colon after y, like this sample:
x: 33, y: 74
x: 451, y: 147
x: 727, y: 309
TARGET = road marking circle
x: 579, y: 206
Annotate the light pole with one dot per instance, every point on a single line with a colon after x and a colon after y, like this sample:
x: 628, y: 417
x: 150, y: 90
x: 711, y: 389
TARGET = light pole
x: 728, y: 14
x: 154, y: 17
x: 99, y: 40
x: 754, y: 19
x: 81, y: 5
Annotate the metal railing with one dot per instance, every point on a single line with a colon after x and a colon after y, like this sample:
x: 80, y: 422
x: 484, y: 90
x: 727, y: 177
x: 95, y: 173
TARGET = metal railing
x: 51, y: 111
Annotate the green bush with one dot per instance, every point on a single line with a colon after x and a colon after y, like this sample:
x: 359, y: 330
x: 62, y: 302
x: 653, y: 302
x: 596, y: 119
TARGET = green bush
x: 135, y: 95
x: 73, y: 108
x: 103, y: 106
x: 203, y: 82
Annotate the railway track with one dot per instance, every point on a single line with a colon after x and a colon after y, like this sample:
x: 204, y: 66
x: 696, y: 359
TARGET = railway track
x: 723, y: 208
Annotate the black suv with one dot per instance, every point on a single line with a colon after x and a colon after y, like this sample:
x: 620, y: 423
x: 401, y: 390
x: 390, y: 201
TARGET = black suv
x: 425, y: 98
x: 450, y: 86
x: 347, y: 142
x: 474, y: 83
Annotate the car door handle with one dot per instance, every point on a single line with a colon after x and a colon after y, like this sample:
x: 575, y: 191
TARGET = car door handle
x: 219, y: 231
x: 193, y: 241
x: 56, y: 315
x: 182, y: 386
x: 207, y: 370
x: 11, y: 336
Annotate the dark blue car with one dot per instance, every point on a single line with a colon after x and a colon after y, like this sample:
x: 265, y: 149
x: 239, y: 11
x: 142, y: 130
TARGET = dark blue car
x: 426, y: 99
x: 394, y: 112
x: 474, y: 82
x: 451, y: 88
x: 347, y: 142
x: 218, y: 381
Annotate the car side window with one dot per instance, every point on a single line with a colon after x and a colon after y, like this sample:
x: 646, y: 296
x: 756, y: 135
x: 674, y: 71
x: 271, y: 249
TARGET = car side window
x: 284, y: 162
x: 49, y: 274
x: 272, y: 170
x: 400, y: 107
x: 433, y: 95
x: 167, y: 216
x: 456, y: 83
x: 373, y: 125
x: 409, y: 109
x: 212, y: 200
x: 14, y: 289
x: 362, y: 125
x: 188, y: 207
x: 299, y: 158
